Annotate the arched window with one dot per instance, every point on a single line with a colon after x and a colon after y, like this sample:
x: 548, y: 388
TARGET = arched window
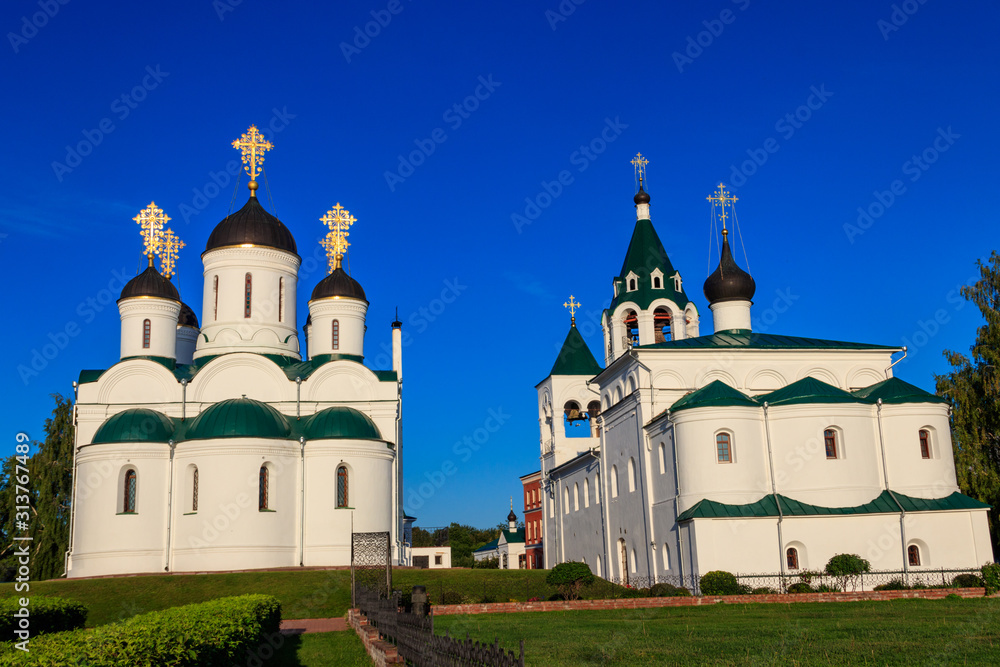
x: 631, y: 475
x: 281, y: 296
x: 656, y: 282
x: 593, y: 412
x: 661, y: 324
x: 128, y: 504
x: 576, y: 497
x: 336, y: 334
x: 145, y: 334
x: 262, y: 488
x: 792, y: 558
x: 723, y: 446
x: 194, y: 490
x: 565, y: 500
x: 830, y: 441
x: 913, y: 554
x: 663, y: 457
x: 215, y: 289
x: 586, y: 492
x: 597, y: 488
x: 666, y: 556
x: 631, y: 284
x: 342, y: 497
x: 925, y: 444
x: 614, y: 481
x: 248, y: 289
x: 631, y: 322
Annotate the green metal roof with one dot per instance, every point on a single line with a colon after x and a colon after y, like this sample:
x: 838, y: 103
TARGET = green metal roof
x: 513, y: 536
x: 575, y: 357
x: 808, y: 390
x: 895, y: 390
x: 882, y: 504
x: 239, y: 418
x: 135, y: 425
x: 737, y: 338
x: 340, y: 422
x: 716, y: 393
x: 489, y: 546
x: 646, y: 254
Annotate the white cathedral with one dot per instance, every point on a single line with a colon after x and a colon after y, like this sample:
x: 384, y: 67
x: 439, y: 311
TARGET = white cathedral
x: 220, y: 446
x: 734, y: 450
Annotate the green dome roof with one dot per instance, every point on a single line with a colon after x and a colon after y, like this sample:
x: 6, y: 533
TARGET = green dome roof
x: 239, y: 418
x: 135, y: 425
x: 341, y: 422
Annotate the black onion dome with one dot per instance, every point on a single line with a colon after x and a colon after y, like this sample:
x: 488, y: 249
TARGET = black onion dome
x: 512, y: 516
x: 251, y: 224
x: 339, y: 284
x: 187, y: 318
x: 641, y: 197
x: 150, y: 283
x: 729, y: 282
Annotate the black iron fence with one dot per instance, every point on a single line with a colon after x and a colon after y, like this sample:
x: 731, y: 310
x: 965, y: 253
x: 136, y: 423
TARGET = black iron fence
x: 414, y: 638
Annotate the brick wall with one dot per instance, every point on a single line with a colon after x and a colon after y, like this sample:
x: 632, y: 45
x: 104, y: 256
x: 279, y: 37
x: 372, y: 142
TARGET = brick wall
x: 382, y: 653
x: 640, y: 603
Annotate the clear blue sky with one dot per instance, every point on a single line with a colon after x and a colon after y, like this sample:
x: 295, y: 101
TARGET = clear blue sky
x: 195, y: 75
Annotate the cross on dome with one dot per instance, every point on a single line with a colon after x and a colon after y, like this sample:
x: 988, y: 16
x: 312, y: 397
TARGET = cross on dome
x: 572, y: 309
x: 721, y: 198
x: 252, y: 145
x: 150, y: 221
x: 339, y: 220
x: 639, y: 163
x: 170, y: 245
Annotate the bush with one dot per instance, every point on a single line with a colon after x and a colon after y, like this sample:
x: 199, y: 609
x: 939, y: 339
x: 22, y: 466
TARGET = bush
x: 487, y: 564
x: 668, y: 591
x: 846, y: 568
x: 628, y: 593
x: 825, y: 588
x: 800, y: 587
x: 894, y: 585
x: 764, y: 590
x: 967, y: 581
x: 219, y: 632
x: 718, y: 582
x: 569, y: 577
x: 47, y: 614
x: 451, y: 597
x: 991, y: 577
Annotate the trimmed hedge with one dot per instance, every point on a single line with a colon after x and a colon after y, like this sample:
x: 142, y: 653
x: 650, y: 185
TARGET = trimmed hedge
x: 218, y: 632
x: 668, y: 591
x: 46, y: 614
x: 720, y: 582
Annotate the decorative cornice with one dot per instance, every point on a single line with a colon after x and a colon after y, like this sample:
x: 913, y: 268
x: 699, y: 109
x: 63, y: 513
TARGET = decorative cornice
x: 240, y: 255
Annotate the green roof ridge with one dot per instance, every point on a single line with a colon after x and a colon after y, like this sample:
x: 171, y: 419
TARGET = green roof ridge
x: 575, y: 358
x: 808, y: 390
x: 340, y: 422
x: 736, y: 338
x: 895, y: 391
x: 715, y: 393
x: 135, y: 425
x: 646, y: 253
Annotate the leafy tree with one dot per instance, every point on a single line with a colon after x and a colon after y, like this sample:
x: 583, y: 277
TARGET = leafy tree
x: 719, y: 582
x: 973, y: 388
x: 570, y: 577
x: 846, y: 568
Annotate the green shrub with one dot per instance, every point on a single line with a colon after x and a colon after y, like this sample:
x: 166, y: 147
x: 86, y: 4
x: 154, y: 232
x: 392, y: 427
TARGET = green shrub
x: 718, y: 582
x: 763, y: 590
x: 967, y: 581
x: 800, y: 587
x: 893, y: 585
x: 46, y: 614
x: 668, y: 591
x: 991, y: 577
x: 953, y: 596
x: 846, y: 568
x: 570, y: 577
x: 487, y: 564
x: 219, y: 632
x: 629, y: 593
x: 826, y: 588
x: 451, y: 597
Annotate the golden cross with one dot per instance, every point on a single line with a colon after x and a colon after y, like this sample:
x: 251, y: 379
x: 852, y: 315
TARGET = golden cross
x: 169, y: 247
x: 339, y: 220
x: 639, y: 162
x: 253, y: 145
x: 721, y: 199
x: 151, y: 221
x: 572, y: 307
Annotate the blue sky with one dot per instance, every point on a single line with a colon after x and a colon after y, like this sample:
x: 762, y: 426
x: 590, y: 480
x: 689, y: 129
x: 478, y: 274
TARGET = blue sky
x: 813, y: 110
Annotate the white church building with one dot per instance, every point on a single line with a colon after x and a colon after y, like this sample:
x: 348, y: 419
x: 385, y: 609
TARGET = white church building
x: 735, y: 450
x: 216, y: 444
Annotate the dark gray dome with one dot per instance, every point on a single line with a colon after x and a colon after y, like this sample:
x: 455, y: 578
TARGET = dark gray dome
x: 251, y: 224
x: 187, y: 318
x: 641, y: 197
x: 339, y: 284
x: 150, y: 283
x: 729, y: 282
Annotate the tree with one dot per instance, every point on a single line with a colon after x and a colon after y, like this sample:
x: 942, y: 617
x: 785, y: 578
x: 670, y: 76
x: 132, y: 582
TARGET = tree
x: 570, y: 577
x: 847, y: 568
x: 973, y: 388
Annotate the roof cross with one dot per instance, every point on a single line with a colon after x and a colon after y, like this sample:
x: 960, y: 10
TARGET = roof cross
x: 572, y: 309
x: 339, y: 220
x: 169, y: 247
x: 150, y: 220
x: 253, y: 145
x: 720, y: 199
x: 639, y: 162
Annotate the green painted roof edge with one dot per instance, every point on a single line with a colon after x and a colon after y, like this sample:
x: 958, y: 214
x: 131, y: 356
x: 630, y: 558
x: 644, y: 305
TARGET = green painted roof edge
x: 808, y: 390
x: 735, y: 339
x: 646, y: 253
x: 894, y: 391
x: 575, y: 357
x: 713, y: 394
x: 122, y: 427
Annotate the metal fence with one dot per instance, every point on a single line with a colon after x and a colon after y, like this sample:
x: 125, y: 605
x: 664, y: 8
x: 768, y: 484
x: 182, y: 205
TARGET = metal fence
x: 413, y: 635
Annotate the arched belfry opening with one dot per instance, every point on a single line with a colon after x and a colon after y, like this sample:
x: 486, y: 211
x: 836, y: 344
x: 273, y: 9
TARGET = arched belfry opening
x: 593, y: 412
x: 631, y: 322
x: 662, y: 325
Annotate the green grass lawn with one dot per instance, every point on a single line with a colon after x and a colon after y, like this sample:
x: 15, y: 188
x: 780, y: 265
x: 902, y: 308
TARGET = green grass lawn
x: 343, y: 649
x: 940, y: 632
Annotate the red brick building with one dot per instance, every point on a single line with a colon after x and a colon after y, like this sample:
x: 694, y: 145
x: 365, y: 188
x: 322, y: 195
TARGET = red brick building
x: 533, y: 530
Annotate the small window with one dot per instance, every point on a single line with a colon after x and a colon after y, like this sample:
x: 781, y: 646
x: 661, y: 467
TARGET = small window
x: 723, y: 446
x: 128, y: 506
x: 663, y: 457
x: 215, y: 289
x: 830, y: 440
x: 342, y: 497
x: 145, y: 334
x: 576, y: 497
x: 792, y: 559
x: 281, y: 296
x: 656, y: 282
x: 614, y: 481
x: 597, y: 488
x: 631, y: 475
x: 913, y: 554
x: 437, y: 560
x: 666, y: 556
x: 336, y: 334
x: 925, y: 444
x: 262, y: 489
x: 631, y: 285
x: 247, y: 295
x: 677, y: 282
x: 565, y: 500
x: 586, y: 492
x: 194, y: 490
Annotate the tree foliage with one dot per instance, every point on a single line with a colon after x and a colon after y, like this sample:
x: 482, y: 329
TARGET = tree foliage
x: 462, y: 539
x: 973, y: 388
x: 570, y: 577
x: 846, y: 568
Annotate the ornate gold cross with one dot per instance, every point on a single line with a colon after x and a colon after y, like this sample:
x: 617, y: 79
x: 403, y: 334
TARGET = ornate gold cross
x: 339, y: 220
x: 639, y: 162
x: 253, y: 145
x: 572, y: 308
x: 721, y: 198
x: 169, y: 247
x: 151, y: 221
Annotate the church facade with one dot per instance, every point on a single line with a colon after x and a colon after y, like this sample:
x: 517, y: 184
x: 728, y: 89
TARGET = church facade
x: 736, y: 450
x: 214, y: 444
